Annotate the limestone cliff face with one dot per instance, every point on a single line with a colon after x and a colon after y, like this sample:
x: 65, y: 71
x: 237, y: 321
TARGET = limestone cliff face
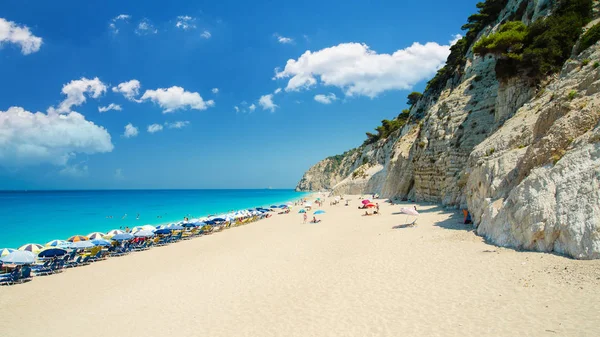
x: 525, y: 161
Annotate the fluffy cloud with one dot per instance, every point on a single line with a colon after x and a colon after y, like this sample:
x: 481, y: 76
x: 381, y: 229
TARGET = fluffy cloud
x: 175, y: 98
x: 145, y: 27
x: 266, y: 102
x: 236, y: 108
x: 130, y: 131
x: 185, y: 22
x: 154, y: 128
x: 113, y: 24
x: 111, y: 106
x: 252, y: 107
x: 325, y: 99
x: 76, y: 91
x: 129, y: 89
x: 76, y: 170
x: 28, y: 138
x: 358, y: 70
x: 206, y: 34
x: 278, y: 90
x: 283, y: 39
x: 177, y: 125
x: 11, y: 32
x: 215, y: 90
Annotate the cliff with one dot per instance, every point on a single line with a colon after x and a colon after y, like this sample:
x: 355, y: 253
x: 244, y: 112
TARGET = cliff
x: 521, y: 153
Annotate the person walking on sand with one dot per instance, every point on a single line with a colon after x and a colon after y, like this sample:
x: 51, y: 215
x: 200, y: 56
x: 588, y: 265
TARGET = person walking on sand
x: 377, y: 207
x: 305, y: 217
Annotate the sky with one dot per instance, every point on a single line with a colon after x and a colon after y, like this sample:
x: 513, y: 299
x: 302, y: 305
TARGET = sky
x: 196, y: 94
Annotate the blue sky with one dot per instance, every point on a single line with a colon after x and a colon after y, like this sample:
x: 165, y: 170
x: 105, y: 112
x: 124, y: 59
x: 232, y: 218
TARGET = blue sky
x: 350, y: 65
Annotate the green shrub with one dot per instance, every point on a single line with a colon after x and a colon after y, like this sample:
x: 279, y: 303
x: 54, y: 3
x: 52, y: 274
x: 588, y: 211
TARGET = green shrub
x: 387, y: 128
x: 507, y: 41
x: 596, y: 65
x: 478, y: 78
x: 590, y: 37
x: 585, y: 62
x: 413, y: 98
x: 572, y: 94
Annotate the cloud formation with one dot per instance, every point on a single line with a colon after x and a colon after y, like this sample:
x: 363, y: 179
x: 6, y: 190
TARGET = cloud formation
x: 177, y: 125
x: 266, y: 102
x: 175, y: 98
x: 325, y: 99
x: 252, y: 107
x: 145, y: 27
x: 154, y: 128
x: 75, y: 171
x: 11, y: 32
x: 113, y: 23
x: 185, y: 22
x: 283, y: 39
x: 28, y: 138
x: 111, y: 106
x: 358, y: 70
x: 215, y: 90
x: 76, y: 92
x: 206, y: 34
x: 129, y: 89
x: 130, y: 131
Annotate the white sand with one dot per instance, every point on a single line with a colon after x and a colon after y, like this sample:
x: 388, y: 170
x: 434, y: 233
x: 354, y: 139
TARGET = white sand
x: 347, y: 276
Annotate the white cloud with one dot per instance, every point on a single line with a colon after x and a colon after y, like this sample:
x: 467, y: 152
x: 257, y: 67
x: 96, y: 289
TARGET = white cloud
x: 154, y: 128
x: 130, y: 131
x: 28, y: 138
x: 215, y: 90
x: 252, y: 107
x: 129, y: 89
x: 266, y: 102
x: 185, y: 22
x: 283, y: 39
x: 76, y: 91
x: 325, y: 99
x: 113, y: 24
x: 119, y: 174
x: 177, y: 125
x: 358, y: 70
x: 237, y: 109
x: 11, y: 32
x: 206, y: 34
x: 145, y: 27
x: 278, y: 90
x: 455, y: 38
x: 111, y: 106
x: 76, y: 170
x: 175, y: 98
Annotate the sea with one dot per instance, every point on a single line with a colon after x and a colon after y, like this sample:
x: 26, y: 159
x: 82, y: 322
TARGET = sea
x: 42, y: 216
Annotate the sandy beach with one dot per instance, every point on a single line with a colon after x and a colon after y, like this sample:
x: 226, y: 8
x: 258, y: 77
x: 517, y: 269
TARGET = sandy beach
x: 349, y: 275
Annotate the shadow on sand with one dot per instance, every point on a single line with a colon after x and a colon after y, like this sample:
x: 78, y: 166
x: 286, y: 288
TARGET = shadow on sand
x: 407, y: 225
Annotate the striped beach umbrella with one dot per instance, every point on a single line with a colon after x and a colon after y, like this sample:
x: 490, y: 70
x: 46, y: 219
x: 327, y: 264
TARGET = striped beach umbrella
x: 31, y: 247
x: 95, y: 235
x: 6, y: 251
x: 56, y: 243
x: 77, y: 238
x: 114, y: 232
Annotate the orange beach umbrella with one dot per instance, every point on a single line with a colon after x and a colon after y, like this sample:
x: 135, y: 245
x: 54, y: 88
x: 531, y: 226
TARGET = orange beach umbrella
x: 77, y: 238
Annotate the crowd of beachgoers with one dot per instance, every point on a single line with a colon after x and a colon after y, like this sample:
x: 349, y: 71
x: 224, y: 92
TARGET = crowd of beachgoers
x: 22, y: 264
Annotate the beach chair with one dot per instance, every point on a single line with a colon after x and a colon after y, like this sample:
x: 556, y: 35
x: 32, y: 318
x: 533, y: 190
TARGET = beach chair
x: 7, y: 279
x: 25, y: 275
x: 73, y: 262
x: 42, y: 269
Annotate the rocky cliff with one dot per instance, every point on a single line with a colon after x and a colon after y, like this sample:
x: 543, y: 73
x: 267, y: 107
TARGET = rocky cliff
x: 523, y: 156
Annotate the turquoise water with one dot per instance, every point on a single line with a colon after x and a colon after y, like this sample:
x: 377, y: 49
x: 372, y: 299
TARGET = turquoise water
x: 41, y: 216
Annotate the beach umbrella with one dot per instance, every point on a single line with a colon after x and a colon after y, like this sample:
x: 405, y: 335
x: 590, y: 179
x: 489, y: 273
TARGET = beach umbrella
x: 31, y: 247
x: 101, y: 242
x: 370, y: 205
x: 56, y: 243
x: 409, y: 211
x: 96, y: 235
x: 319, y: 212
x: 163, y: 231
x: 143, y: 234
x: 307, y: 204
x: 273, y: 206
x: 283, y: 206
x: 189, y: 224
x: 6, y: 251
x: 52, y: 252
x: 77, y: 238
x: 289, y: 203
x: 19, y: 257
x: 302, y: 211
x: 366, y: 201
x: 122, y: 236
x: 176, y: 227
x: 148, y: 227
x: 114, y: 232
x: 81, y: 245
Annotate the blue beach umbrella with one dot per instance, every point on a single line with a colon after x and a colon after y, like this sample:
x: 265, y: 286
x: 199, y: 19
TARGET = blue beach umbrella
x: 189, y: 224
x: 319, y: 212
x: 123, y: 236
x: 163, y: 231
x: 81, y: 244
x: 19, y: 257
x: 175, y: 227
x: 6, y: 251
x: 283, y: 206
x: 218, y: 220
x: 52, y: 252
x: 101, y: 242
x: 273, y: 206
x: 302, y: 211
x: 57, y: 243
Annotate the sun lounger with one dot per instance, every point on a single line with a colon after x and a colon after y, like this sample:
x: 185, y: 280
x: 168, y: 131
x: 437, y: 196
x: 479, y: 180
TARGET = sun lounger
x: 42, y: 269
x: 7, y: 279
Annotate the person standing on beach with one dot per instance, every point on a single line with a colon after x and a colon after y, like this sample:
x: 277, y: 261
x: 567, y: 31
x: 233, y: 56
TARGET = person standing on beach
x: 305, y: 217
x: 377, y: 207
